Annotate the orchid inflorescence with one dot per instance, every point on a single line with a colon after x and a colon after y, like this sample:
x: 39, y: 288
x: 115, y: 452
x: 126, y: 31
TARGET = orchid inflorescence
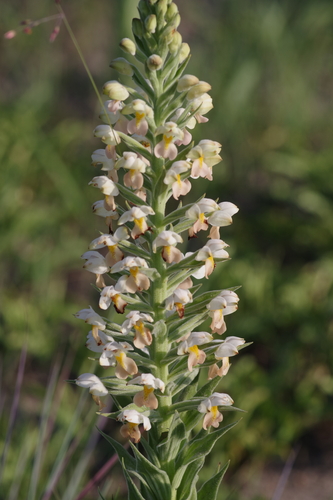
x: 158, y: 351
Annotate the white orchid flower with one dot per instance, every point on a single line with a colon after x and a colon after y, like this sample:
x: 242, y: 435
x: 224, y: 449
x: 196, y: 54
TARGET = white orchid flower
x: 147, y: 397
x: 141, y: 110
x: 226, y: 349
x: 114, y: 353
x: 135, y: 321
x: 166, y: 147
x: 137, y: 215
x: 179, y: 187
x: 178, y: 300
x: 189, y: 345
x: 110, y: 295
x: 136, y: 279
x: 168, y: 240
x: 107, y: 134
x: 106, y: 240
x: 131, y: 428
x: 205, y: 156
x: 222, y: 305
x: 210, y: 405
x: 96, y: 388
x: 214, y: 249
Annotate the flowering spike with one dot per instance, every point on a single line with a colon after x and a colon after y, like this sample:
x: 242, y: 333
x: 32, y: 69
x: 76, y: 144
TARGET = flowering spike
x: 148, y: 158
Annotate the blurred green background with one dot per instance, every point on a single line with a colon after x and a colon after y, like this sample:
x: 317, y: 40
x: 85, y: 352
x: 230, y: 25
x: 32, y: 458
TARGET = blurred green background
x: 270, y: 65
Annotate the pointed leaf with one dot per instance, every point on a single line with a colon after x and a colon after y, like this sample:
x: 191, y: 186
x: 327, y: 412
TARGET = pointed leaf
x: 201, y: 447
x: 157, y: 479
x: 211, y: 487
x: 120, y: 450
x: 133, y: 492
x: 190, y: 479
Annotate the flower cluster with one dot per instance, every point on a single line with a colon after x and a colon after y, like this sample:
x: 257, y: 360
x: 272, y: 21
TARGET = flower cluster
x: 139, y: 263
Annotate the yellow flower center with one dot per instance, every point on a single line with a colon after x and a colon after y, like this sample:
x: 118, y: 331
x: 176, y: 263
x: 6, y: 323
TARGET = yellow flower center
x: 167, y: 141
x: 138, y: 118
x: 195, y: 350
x: 140, y: 223
x: 140, y: 328
x: 178, y: 179
x: 202, y: 217
x: 112, y: 249
x: 211, y: 259
x: 201, y: 159
x: 120, y: 357
x: 146, y: 391
x: 132, y: 172
x: 214, y: 411
x: 134, y: 271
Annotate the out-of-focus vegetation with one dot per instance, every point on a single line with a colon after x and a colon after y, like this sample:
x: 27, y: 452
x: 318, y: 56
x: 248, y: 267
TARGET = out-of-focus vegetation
x: 271, y: 69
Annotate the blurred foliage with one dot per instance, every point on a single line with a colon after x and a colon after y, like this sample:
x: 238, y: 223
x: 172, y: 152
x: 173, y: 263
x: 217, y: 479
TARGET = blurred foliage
x: 270, y: 66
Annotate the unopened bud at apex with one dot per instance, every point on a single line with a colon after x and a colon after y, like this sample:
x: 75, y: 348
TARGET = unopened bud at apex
x: 128, y: 46
x: 137, y: 27
x: 151, y: 23
x: 175, y: 43
x: 154, y: 62
x: 162, y: 7
x: 172, y: 11
x: 186, y: 82
x: 184, y: 52
x: 122, y: 66
x: 198, y: 90
x: 115, y: 90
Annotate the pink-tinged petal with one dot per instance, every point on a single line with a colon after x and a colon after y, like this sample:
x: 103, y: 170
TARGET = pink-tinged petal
x: 171, y: 152
x: 215, y: 371
x: 113, y: 175
x: 114, y: 255
x: 209, y: 266
x: 201, y: 119
x: 186, y: 284
x: 119, y: 304
x: 142, y: 281
x: 133, y: 180
x: 159, y: 149
x: 142, y: 339
x: 225, y: 366
x: 121, y: 125
x: 196, y: 357
x: 214, y: 233
x: 109, y: 203
x: 171, y: 254
x: 100, y: 281
x: 212, y: 420
x: 130, y: 430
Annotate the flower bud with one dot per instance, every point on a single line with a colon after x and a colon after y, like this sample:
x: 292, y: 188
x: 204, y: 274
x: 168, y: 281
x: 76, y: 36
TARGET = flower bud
x: 198, y: 90
x: 154, y: 62
x: 186, y: 82
x: 128, y: 46
x: 172, y: 11
x: 175, y: 43
x: 151, y: 23
x: 184, y: 52
x: 162, y: 7
x: 122, y: 66
x: 137, y: 27
x: 115, y: 90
